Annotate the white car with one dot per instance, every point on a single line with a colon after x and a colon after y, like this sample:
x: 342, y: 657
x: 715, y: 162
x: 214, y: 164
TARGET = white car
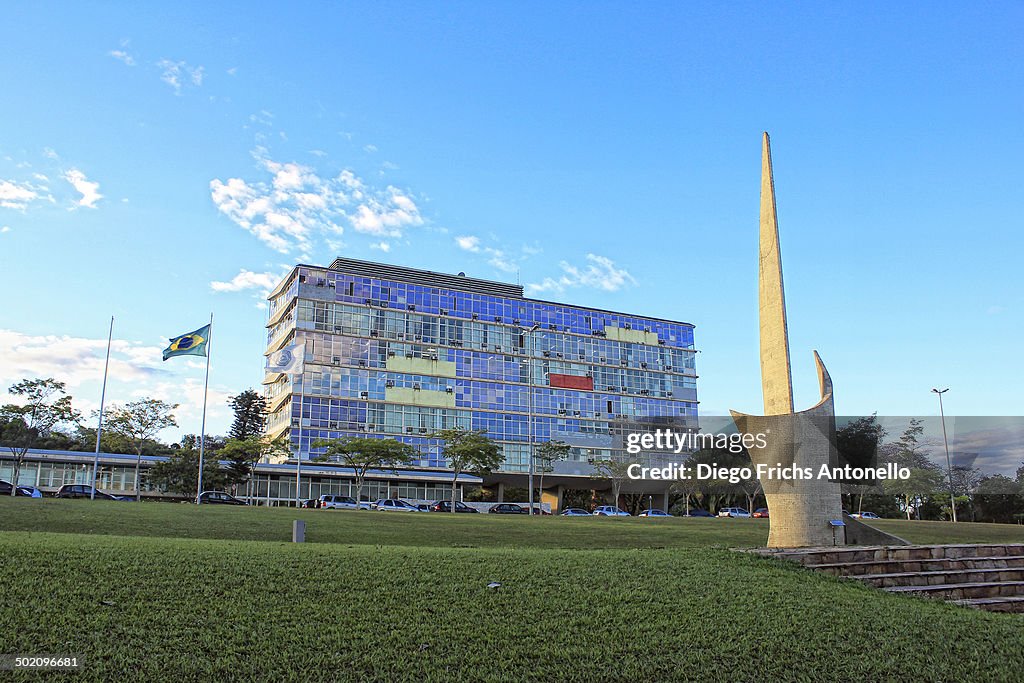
x: 865, y: 515
x: 610, y: 511
x: 733, y: 512
x: 394, y: 505
x: 329, y: 502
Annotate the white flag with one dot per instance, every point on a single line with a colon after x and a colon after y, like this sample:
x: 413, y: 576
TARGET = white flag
x: 288, y: 359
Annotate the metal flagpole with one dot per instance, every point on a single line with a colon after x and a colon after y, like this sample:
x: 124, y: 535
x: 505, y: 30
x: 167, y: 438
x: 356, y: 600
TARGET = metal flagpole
x: 202, y: 429
x: 103, y: 397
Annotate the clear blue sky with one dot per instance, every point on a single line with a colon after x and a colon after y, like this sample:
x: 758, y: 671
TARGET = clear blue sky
x: 606, y: 154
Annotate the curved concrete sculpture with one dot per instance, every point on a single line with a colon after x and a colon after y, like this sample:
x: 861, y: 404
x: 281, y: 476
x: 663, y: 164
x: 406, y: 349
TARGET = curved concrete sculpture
x: 800, y: 509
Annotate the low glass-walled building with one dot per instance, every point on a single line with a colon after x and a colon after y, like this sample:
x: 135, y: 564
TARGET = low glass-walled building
x: 401, y: 352
x: 270, y: 484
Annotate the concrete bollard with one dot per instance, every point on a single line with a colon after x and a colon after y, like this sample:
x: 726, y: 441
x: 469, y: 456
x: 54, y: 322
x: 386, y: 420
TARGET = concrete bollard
x: 298, y: 531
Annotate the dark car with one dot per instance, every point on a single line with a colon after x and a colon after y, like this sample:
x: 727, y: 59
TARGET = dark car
x: 24, y: 491
x: 313, y: 503
x: 507, y: 509
x: 446, y: 506
x: 218, y: 498
x: 760, y: 513
x: 697, y: 512
x: 85, y: 491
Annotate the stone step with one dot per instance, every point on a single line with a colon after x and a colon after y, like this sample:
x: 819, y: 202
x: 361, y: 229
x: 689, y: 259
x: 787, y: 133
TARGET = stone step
x: 940, y: 578
x: 841, y: 555
x: 1013, y: 603
x: 963, y: 591
x: 930, y: 565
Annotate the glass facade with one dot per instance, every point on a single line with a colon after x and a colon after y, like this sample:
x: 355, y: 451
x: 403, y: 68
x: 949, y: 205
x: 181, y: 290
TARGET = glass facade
x: 401, y: 352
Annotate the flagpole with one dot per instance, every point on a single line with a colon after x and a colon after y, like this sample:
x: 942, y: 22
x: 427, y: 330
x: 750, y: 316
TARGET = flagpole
x: 103, y: 397
x: 202, y: 431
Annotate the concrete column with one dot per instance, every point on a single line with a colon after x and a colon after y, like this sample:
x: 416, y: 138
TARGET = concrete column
x: 560, y: 490
x: 501, y: 492
x: 664, y: 504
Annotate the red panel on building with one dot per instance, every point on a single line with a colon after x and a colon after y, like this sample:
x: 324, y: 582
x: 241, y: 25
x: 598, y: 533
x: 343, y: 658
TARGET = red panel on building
x: 571, y: 382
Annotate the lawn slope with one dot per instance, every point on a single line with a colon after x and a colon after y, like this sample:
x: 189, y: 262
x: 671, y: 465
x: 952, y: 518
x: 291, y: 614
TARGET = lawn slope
x: 244, y: 610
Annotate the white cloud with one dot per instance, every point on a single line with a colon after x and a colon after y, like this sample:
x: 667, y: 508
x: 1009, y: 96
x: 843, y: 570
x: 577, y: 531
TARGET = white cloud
x: 122, y: 56
x: 500, y: 261
x: 74, y: 360
x: 247, y: 279
x: 15, y: 195
x: 386, y: 214
x: 88, y: 189
x: 262, y: 117
x: 468, y: 243
x: 4, y: 229
x: 232, y: 71
x: 179, y: 74
x: 49, y: 153
x: 136, y: 370
x: 600, y: 272
x: 297, y: 206
x: 383, y: 246
x: 370, y: 148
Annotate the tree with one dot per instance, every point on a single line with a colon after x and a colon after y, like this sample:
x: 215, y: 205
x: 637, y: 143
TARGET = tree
x: 614, y: 472
x: 243, y: 455
x: 250, y: 414
x: 179, y: 473
x: 363, y: 454
x: 45, y: 405
x: 998, y: 499
x: 921, y: 484
x: 857, y: 445
x: 468, y: 451
x: 547, y: 454
x: 907, y: 450
x: 138, y: 422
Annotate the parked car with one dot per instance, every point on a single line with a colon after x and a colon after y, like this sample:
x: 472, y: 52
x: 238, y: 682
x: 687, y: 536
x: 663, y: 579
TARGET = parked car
x: 733, y: 512
x: 507, y: 509
x: 575, y: 512
x: 760, y: 513
x: 331, y: 502
x: 394, y: 505
x: 865, y: 515
x: 697, y: 512
x: 218, y: 498
x: 538, y: 510
x: 654, y: 512
x: 85, y: 491
x: 311, y: 503
x: 610, y: 511
x: 24, y: 491
x: 446, y: 506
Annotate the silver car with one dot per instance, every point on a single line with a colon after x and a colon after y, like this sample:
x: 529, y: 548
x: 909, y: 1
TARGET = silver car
x: 394, y: 505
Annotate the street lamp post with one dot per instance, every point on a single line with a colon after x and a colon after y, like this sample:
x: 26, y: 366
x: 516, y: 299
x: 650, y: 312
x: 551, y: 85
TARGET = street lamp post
x: 529, y: 403
x: 949, y: 464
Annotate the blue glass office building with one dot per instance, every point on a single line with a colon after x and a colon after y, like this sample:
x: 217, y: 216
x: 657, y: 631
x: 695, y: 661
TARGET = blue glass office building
x: 400, y: 352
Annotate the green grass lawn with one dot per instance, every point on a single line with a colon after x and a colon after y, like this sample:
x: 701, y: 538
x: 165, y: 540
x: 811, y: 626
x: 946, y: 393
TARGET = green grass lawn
x: 946, y: 532
x: 176, y: 520
x: 150, y: 591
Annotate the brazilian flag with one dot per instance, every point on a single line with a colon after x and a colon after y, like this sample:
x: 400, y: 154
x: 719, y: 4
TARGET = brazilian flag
x: 191, y: 344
